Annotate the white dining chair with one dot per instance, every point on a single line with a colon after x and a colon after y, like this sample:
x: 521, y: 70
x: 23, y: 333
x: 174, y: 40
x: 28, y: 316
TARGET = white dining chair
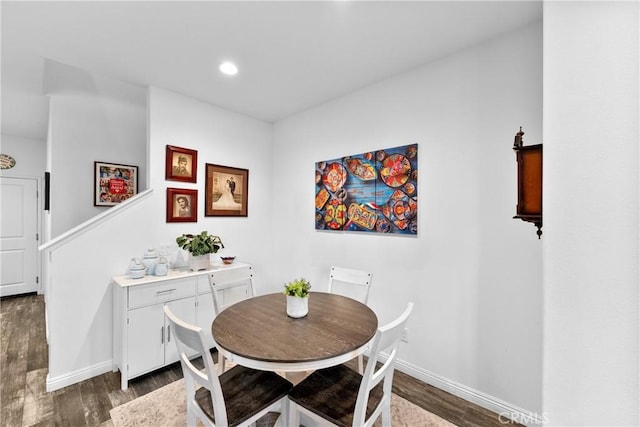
x: 353, y: 284
x: 230, y: 286
x: 237, y: 397
x: 341, y: 396
x: 227, y: 288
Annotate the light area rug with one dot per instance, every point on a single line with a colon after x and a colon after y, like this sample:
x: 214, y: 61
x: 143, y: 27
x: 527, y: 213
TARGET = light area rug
x: 166, y: 407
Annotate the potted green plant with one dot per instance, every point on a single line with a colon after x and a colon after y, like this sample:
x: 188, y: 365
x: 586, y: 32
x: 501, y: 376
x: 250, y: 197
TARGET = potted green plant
x: 199, y: 246
x: 297, y: 292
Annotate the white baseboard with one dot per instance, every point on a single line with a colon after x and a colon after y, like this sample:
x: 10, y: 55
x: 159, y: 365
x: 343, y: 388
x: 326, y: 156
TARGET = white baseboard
x: 506, y: 411
x: 77, y: 376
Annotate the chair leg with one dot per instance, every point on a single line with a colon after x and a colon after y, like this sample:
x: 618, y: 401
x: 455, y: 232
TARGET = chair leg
x: 283, y: 419
x: 192, y: 419
x: 294, y: 414
x: 386, y: 414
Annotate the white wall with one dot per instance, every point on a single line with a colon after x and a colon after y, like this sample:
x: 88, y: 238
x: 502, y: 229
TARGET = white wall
x: 591, y: 218
x: 222, y: 138
x: 92, y: 118
x: 30, y: 156
x: 474, y: 273
x: 78, y: 295
x: 79, y: 289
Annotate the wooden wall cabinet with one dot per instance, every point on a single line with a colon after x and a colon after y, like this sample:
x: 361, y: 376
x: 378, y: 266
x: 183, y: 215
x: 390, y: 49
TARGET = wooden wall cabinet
x: 529, y: 160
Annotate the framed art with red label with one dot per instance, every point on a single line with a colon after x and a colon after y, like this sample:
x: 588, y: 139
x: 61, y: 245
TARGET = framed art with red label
x: 113, y: 183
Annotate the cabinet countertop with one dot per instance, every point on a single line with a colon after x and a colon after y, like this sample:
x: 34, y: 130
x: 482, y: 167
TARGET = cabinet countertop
x: 175, y: 273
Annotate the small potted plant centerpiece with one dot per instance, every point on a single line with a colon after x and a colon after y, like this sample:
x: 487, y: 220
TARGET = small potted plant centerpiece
x: 297, y: 293
x: 199, y: 246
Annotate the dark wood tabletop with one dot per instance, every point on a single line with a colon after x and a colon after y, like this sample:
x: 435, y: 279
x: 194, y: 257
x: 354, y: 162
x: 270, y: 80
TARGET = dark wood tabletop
x: 258, y: 333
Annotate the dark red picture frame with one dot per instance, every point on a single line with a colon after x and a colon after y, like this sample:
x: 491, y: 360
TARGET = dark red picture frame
x: 182, y: 205
x: 181, y: 164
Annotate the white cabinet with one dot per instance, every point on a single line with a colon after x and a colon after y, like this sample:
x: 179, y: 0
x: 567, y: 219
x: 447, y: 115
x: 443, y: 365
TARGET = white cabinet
x: 149, y: 339
x: 142, y: 339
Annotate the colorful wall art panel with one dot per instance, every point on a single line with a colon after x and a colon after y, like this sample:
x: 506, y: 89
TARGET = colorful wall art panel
x: 376, y: 191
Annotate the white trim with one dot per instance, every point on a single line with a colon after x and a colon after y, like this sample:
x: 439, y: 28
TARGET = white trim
x: 40, y: 209
x: 78, y: 376
x: 94, y: 221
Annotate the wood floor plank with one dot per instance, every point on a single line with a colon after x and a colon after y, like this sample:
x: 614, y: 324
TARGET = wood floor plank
x: 480, y: 417
x: 38, y: 404
x: 432, y: 399
x: 67, y: 406
x: 37, y: 352
x: 117, y: 396
x: 145, y: 384
x: 12, y: 410
x: 95, y: 401
x: 13, y: 361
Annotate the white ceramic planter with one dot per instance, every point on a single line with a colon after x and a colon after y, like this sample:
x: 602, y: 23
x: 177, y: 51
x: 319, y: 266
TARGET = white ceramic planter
x: 200, y: 262
x: 297, y: 307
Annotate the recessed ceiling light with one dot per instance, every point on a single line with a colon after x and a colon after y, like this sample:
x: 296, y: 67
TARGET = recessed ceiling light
x: 229, y: 68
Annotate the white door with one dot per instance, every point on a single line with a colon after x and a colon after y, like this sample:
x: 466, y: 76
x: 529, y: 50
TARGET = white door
x: 18, y: 235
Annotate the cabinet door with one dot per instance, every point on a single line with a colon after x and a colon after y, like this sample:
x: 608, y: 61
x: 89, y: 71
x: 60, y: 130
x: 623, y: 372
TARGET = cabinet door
x: 145, y: 339
x: 205, y: 315
x: 184, y: 309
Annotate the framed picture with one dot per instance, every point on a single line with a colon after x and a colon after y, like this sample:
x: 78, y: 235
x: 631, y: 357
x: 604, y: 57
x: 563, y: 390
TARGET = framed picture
x: 113, y: 183
x: 182, y: 205
x: 181, y: 164
x: 226, y: 191
x: 371, y: 192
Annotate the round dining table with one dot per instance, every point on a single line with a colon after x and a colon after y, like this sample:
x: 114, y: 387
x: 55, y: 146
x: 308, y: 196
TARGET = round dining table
x: 257, y: 333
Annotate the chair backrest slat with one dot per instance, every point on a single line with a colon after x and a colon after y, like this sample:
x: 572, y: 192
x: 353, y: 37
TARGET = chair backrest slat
x: 351, y: 283
x: 230, y: 286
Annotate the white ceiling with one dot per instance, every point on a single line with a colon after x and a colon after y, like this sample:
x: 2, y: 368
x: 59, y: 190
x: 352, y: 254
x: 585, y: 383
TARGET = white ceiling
x: 291, y: 55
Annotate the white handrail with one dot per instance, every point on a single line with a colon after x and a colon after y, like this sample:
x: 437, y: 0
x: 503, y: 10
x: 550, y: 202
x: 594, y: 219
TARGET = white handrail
x: 93, y: 221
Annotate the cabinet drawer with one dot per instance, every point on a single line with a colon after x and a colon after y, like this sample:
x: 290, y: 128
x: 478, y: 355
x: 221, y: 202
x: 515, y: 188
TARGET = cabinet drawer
x: 155, y: 293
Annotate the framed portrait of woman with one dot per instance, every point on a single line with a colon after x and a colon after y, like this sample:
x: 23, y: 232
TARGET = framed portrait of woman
x: 226, y: 191
x: 181, y: 164
x: 182, y: 205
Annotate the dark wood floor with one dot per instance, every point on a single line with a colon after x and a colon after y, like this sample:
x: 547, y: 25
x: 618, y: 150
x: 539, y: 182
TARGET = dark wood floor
x: 23, y: 371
